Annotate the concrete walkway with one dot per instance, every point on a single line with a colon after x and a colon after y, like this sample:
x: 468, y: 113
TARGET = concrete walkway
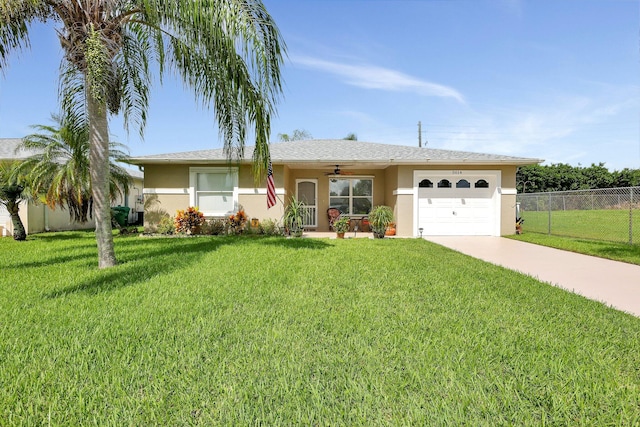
x: 614, y: 283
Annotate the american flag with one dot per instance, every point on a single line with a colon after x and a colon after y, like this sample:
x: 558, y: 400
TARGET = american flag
x: 271, y: 187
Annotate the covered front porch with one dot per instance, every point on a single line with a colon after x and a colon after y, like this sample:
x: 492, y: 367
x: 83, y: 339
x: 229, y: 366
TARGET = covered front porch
x: 352, y: 191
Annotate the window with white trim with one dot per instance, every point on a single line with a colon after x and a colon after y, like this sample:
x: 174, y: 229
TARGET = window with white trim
x: 214, y: 190
x: 352, y: 196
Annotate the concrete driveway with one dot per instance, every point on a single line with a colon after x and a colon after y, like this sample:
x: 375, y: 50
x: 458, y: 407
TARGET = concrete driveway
x: 617, y: 284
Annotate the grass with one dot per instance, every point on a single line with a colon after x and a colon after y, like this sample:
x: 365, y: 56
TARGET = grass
x: 609, y: 250
x: 270, y: 331
x: 606, y: 225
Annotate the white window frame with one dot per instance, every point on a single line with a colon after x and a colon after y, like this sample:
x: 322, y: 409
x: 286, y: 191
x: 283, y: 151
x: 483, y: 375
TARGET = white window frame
x: 218, y: 170
x: 350, y: 178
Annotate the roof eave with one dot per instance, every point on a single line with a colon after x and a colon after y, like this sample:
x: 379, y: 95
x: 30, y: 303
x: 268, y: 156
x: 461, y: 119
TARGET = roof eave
x: 475, y: 162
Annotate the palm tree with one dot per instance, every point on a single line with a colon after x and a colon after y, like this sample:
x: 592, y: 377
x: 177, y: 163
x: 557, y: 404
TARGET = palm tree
x: 12, y: 192
x: 60, y: 170
x: 229, y: 52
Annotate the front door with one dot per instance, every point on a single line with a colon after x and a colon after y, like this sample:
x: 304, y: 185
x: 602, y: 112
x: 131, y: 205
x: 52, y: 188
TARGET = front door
x: 307, y: 192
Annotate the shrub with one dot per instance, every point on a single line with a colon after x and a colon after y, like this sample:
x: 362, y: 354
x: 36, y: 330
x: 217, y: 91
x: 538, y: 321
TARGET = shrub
x: 166, y: 225
x: 236, y: 223
x: 269, y: 227
x: 189, y: 221
x: 216, y: 226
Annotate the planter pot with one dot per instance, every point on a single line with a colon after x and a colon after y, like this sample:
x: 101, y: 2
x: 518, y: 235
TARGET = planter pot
x: 378, y: 235
x: 340, y: 235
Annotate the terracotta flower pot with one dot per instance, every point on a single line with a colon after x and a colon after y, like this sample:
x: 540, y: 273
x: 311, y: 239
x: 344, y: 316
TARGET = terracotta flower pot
x: 391, y: 230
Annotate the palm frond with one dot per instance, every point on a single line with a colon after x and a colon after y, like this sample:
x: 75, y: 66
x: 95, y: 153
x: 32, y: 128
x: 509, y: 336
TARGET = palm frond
x: 229, y: 52
x: 15, y: 18
x: 60, y: 169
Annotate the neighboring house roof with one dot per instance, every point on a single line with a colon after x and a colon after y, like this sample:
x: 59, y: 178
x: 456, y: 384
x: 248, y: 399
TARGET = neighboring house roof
x: 338, y: 151
x: 8, y: 152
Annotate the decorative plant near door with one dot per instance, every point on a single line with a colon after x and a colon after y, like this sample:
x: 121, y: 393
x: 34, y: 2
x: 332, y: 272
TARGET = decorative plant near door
x: 294, y: 216
x: 380, y: 217
x: 341, y: 225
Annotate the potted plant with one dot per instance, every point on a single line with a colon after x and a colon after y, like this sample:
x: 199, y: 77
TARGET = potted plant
x: 391, y: 229
x: 293, y: 217
x: 380, y: 217
x: 341, y: 226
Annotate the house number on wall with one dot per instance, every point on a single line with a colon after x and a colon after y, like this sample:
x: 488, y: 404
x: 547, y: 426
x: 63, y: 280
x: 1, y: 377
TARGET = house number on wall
x: 456, y: 172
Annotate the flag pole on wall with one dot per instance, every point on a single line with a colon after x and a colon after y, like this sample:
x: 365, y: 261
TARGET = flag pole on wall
x: 271, y: 187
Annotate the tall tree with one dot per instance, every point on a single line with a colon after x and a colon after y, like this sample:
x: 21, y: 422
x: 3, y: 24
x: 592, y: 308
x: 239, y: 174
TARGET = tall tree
x: 12, y: 192
x: 229, y: 52
x: 60, y: 169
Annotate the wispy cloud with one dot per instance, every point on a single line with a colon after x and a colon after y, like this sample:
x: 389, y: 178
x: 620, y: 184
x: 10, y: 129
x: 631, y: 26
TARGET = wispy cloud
x: 568, y: 131
x: 374, y: 77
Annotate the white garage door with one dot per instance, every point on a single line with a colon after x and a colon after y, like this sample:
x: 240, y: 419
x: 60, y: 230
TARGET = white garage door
x: 461, y: 205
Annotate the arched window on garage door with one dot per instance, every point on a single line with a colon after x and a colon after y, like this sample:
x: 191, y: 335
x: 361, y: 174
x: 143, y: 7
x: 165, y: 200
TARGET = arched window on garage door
x: 444, y: 183
x: 463, y: 183
x: 481, y: 183
x: 425, y: 183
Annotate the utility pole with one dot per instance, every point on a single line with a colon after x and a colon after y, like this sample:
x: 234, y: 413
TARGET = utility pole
x: 419, y: 134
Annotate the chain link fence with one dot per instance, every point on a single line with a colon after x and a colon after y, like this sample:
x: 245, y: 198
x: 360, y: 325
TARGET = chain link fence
x: 609, y: 214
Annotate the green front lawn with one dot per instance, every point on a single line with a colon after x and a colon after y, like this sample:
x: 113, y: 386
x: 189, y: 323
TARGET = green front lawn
x: 605, y: 224
x: 271, y: 331
x: 616, y: 251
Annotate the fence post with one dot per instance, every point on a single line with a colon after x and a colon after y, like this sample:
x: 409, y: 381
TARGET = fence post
x: 549, y: 222
x: 631, y: 216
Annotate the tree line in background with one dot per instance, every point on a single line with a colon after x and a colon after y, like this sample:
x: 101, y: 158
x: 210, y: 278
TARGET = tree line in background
x: 564, y: 177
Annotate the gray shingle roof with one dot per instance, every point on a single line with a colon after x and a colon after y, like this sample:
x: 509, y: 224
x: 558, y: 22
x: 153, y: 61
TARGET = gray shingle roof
x: 340, y: 151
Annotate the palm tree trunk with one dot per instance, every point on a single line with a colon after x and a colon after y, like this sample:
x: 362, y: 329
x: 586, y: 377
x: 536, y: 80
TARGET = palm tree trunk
x: 19, y: 233
x: 99, y: 172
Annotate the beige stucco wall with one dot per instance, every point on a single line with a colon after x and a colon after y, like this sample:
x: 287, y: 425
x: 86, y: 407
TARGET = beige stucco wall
x: 166, y: 176
x: 57, y: 220
x: 390, y: 185
x: 254, y: 199
x: 508, y: 201
x: 403, y: 203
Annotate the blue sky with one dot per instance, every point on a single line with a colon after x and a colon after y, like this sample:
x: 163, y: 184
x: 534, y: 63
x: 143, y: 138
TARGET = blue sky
x: 551, y: 79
